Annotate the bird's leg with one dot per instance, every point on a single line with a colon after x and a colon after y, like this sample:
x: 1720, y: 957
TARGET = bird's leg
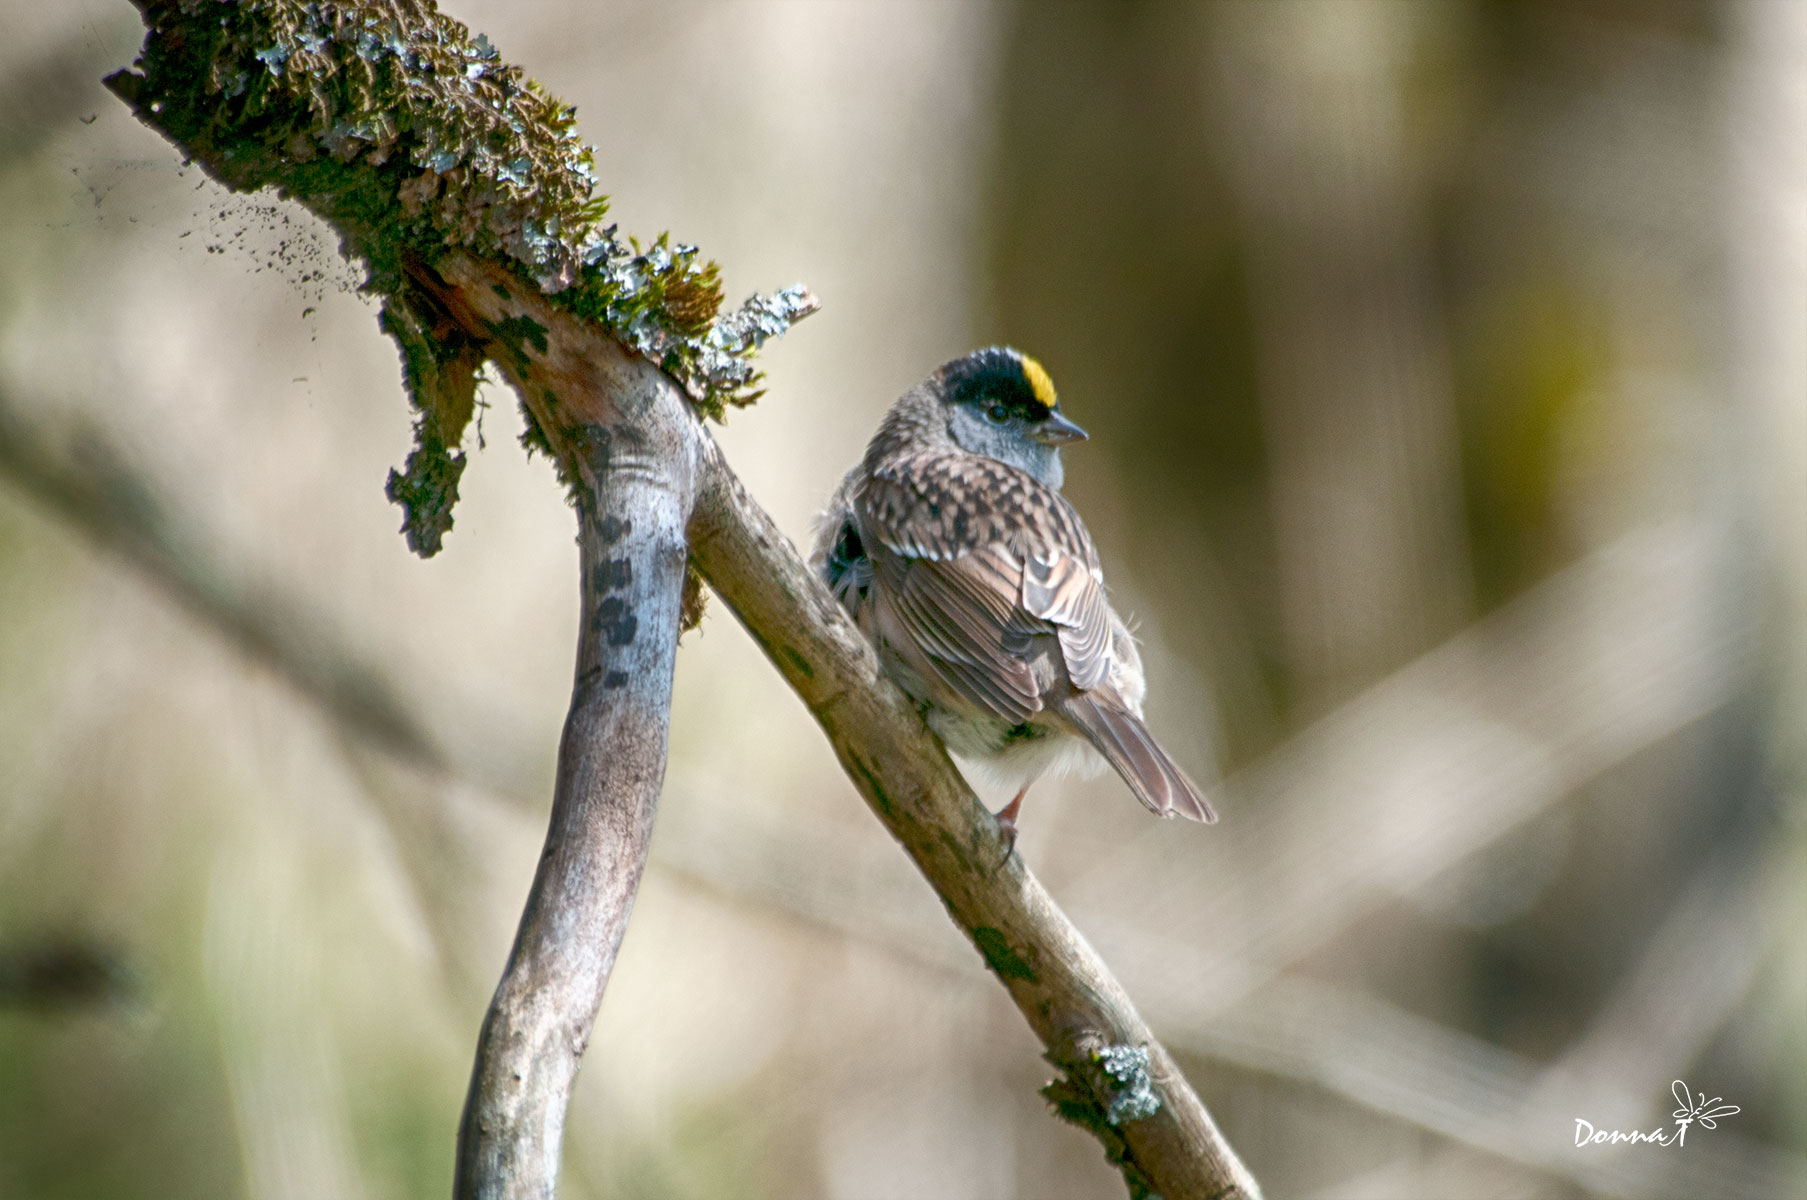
x: 1006, y: 818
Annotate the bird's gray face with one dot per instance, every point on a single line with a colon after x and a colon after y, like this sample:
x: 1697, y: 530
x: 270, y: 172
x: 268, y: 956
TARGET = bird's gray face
x: 1011, y: 435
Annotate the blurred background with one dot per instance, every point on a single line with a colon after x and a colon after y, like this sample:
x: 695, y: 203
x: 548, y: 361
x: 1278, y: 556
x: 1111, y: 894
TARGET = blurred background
x: 1446, y: 369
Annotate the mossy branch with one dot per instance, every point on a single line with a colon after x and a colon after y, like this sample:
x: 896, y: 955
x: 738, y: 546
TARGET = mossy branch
x: 411, y: 138
x: 463, y: 190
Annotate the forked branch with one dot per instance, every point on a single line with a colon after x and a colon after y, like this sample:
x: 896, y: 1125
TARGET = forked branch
x: 408, y: 136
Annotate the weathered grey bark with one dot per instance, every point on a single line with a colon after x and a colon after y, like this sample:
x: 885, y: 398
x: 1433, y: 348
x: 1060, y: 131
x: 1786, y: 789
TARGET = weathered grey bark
x: 628, y: 442
x: 611, y: 764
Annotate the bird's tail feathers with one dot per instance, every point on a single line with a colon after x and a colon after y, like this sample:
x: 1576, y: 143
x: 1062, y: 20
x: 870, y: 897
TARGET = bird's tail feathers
x: 1130, y: 748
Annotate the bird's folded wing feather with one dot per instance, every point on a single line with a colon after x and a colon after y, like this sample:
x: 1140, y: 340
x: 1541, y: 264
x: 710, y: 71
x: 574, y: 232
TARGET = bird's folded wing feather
x: 979, y: 561
x: 1062, y: 590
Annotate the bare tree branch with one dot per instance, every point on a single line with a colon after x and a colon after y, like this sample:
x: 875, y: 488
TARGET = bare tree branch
x: 1120, y: 1082
x: 630, y: 439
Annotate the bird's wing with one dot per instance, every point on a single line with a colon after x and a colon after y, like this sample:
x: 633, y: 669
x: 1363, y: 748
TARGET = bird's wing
x: 980, y: 563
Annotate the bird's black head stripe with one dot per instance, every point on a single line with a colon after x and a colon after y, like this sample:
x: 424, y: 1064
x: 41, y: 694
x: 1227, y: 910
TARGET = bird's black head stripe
x: 1000, y: 375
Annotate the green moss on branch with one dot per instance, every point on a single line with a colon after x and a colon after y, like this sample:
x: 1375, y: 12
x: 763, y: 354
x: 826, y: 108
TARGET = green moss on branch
x: 411, y: 137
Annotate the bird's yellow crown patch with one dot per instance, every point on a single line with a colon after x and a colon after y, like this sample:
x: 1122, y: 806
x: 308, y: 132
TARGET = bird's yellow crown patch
x: 1039, y: 382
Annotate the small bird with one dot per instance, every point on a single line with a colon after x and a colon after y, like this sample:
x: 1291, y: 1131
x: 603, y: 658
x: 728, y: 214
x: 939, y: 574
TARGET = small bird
x: 953, y: 549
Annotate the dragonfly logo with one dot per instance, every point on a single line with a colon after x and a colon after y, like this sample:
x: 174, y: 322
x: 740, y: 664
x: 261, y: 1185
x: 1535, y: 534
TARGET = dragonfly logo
x: 1695, y: 1109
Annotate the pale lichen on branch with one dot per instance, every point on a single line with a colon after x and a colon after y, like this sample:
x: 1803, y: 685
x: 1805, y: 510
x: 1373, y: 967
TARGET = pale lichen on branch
x: 412, y: 137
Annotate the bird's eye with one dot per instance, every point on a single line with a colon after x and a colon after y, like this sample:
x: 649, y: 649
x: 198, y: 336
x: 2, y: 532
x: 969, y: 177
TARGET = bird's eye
x: 997, y: 414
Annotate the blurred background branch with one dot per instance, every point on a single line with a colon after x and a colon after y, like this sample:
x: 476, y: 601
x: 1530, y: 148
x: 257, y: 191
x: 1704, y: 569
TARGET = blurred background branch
x: 85, y: 483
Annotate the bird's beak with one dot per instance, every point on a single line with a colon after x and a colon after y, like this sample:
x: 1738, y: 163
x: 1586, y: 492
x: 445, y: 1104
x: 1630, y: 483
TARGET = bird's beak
x: 1057, y: 431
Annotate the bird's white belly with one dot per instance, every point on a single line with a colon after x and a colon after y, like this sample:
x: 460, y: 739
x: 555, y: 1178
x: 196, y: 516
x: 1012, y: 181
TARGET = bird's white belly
x: 992, y: 759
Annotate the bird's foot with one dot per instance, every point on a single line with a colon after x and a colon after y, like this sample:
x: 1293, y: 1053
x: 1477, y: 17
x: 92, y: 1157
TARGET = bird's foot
x: 1006, y: 819
x: 1007, y: 831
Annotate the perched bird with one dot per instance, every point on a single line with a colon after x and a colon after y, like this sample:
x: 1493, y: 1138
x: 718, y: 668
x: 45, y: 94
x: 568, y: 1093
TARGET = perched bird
x: 953, y: 549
